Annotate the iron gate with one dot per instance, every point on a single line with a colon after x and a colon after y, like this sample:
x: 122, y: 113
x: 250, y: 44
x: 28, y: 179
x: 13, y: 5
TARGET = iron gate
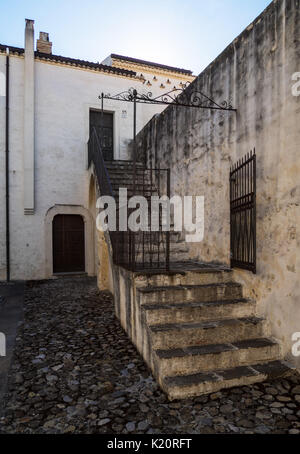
x: 243, y: 213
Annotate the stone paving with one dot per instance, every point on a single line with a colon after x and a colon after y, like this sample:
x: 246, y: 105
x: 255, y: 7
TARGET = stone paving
x: 75, y: 371
x: 11, y: 314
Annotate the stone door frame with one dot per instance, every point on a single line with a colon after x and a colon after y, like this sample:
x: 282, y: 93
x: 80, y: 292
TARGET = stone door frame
x: 88, y: 236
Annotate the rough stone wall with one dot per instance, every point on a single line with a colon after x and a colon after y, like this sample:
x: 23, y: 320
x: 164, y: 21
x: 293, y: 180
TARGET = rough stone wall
x: 255, y: 73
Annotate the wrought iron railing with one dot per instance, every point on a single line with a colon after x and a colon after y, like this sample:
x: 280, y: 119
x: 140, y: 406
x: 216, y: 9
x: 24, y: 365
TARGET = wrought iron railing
x: 95, y: 155
x: 142, y: 249
x: 243, y: 213
x: 146, y: 248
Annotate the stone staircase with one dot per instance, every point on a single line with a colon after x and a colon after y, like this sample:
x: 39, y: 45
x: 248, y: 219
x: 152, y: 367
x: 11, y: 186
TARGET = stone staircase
x: 192, y: 324
x: 121, y: 176
x: 199, y: 334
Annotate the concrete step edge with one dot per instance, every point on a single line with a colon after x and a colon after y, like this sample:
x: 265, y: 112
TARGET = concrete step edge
x: 210, y: 324
x: 185, y: 272
x: 270, y: 369
x: 216, y: 349
x: 195, y: 304
x: 154, y: 289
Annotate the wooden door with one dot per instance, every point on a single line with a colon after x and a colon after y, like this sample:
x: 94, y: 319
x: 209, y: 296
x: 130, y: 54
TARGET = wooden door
x: 68, y: 243
x: 105, y: 131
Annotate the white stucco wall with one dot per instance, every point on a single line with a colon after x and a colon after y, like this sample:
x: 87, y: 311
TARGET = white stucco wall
x: 2, y: 167
x: 16, y: 166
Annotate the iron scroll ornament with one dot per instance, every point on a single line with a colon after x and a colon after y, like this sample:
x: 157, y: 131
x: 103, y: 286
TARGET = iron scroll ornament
x: 177, y: 97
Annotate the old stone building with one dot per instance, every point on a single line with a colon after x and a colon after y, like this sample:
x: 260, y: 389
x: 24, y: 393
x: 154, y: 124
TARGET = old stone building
x: 207, y: 315
x: 51, y: 105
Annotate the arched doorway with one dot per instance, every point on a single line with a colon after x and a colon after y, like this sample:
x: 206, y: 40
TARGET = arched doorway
x: 68, y: 243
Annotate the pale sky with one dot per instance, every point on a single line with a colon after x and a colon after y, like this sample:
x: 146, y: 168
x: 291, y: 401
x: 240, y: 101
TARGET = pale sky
x: 183, y: 33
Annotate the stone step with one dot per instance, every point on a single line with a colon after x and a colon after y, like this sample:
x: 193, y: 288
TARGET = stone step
x: 178, y: 335
x: 139, y: 186
x: 174, y: 246
x: 140, y: 189
x: 120, y: 180
x: 161, y: 257
x: 147, y: 193
x: 185, y: 386
x: 191, y: 360
x: 119, y: 167
x: 154, y: 234
x: 173, y: 255
x: 128, y: 182
x: 128, y: 176
x: 124, y: 172
x: 204, y: 275
x: 179, y: 246
x: 156, y: 314
x: 206, y: 292
x: 120, y: 164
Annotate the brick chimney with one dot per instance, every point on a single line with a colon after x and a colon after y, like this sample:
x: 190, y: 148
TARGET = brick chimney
x: 43, y: 44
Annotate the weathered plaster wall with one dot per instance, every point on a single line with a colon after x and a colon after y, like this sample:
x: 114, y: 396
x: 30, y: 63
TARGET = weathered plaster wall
x: 255, y: 74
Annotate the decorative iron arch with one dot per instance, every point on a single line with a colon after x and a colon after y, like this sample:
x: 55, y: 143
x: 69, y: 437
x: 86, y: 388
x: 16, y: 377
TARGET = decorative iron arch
x: 176, y: 97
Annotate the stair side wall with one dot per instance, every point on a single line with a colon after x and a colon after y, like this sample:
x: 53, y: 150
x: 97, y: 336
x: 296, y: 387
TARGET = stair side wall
x: 127, y: 310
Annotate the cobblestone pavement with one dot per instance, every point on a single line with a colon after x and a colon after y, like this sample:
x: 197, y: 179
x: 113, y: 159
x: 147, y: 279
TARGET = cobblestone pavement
x: 75, y: 371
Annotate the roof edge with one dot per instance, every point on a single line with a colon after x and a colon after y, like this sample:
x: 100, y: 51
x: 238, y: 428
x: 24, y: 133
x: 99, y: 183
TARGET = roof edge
x: 152, y: 64
x: 73, y: 61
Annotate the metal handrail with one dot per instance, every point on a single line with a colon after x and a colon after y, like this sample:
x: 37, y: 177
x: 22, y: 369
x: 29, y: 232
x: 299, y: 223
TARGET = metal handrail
x: 96, y: 156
